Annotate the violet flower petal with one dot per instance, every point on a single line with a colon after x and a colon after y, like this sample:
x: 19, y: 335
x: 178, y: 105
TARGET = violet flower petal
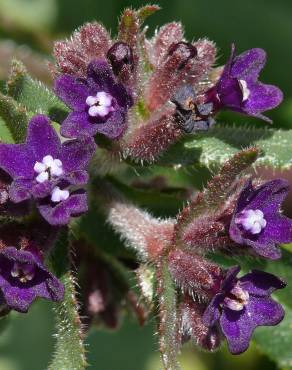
x: 42, y: 139
x: 19, y: 295
x: 19, y: 190
x: 260, y: 283
x: 78, y: 124
x: 238, y: 326
x: 267, y: 198
x: 72, y: 91
x: 248, y: 64
x: 79, y: 177
x: 212, y: 312
x: 100, y: 75
x: 60, y: 214
x: 262, y: 97
x: 76, y: 154
x: 16, y: 160
x: 114, y: 127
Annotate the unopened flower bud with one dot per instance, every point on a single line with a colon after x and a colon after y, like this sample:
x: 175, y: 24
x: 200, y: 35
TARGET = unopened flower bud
x: 120, y: 55
x: 183, y: 52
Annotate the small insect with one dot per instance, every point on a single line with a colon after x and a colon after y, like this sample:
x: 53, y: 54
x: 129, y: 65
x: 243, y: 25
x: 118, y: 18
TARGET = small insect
x: 192, y: 117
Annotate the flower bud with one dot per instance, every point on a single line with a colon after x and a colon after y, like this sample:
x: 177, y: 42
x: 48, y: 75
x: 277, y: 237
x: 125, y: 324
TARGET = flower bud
x: 120, y: 55
x: 183, y: 52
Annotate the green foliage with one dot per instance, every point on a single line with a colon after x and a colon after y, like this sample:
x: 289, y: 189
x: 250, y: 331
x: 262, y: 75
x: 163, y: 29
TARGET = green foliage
x: 220, y: 143
x: 5, y: 134
x: 34, y: 95
x: 276, y: 341
x: 14, y: 118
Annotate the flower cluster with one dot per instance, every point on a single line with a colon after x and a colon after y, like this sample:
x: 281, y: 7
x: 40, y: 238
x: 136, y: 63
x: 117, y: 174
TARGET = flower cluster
x: 134, y: 97
x: 214, y: 302
x: 250, y: 225
x: 145, y: 93
x: 48, y: 172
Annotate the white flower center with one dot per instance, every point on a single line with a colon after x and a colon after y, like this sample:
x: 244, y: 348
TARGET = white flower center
x: 24, y: 272
x: 252, y: 220
x: 244, y: 89
x: 237, y: 298
x: 47, y: 168
x: 58, y: 194
x: 100, y: 104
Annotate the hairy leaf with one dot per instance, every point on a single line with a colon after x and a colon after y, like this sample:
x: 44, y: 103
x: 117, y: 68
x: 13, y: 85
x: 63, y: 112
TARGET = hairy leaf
x: 5, y: 134
x: 220, y: 143
x: 14, y: 117
x: 34, y: 95
x: 275, y: 341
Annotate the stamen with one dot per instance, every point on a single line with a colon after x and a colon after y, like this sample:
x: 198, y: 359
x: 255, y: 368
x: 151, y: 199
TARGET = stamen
x: 252, y: 221
x: 237, y: 298
x: 49, y: 167
x: 100, y: 104
x: 244, y: 89
x: 58, y: 195
x: 24, y: 272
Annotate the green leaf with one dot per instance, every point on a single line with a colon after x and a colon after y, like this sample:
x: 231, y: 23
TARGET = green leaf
x: 34, y: 95
x: 168, y: 326
x: 5, y: 134
x: 220, y: 143
x: 14, y: 117
x: 276, y: 341
x: 69, y: 349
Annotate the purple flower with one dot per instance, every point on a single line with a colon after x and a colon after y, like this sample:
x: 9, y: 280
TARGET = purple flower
x: 8, y: 208
x: 44, y: 169
x: 99, y: 103
x: 243, y: 304
x: 257, y: 221
x: 23, y: 278
x: 238, y: 88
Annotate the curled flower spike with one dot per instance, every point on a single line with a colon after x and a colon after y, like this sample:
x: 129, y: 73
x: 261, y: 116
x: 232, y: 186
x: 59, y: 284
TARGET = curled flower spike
x: 99, y: 102
x: 238, y: 88
x: 257, y: 221
x: 243, y: 304
x: 23, y: 278
x: 44, y: 169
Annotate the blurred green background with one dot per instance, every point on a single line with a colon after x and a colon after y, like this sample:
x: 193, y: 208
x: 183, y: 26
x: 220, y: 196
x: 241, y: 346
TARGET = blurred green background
x: 27, y: 28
